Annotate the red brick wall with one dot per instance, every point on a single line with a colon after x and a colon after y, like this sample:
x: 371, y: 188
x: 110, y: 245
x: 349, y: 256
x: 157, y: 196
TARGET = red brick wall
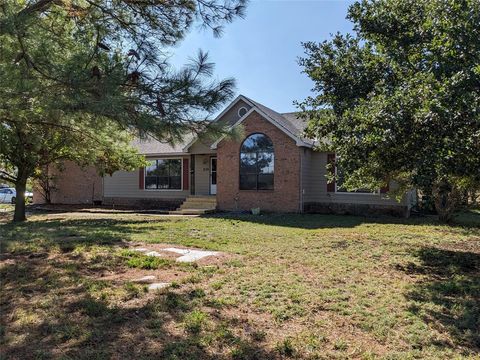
x: 285, y: 196
x: 73, y: 185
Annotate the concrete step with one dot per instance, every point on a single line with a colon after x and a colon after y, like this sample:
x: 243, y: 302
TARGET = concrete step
x: 202, y: 199
x: 199, y: 205
x: 191, y: 211
x: 202, y: 196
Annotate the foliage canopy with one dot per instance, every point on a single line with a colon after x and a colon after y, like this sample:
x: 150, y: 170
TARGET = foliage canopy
x: 80, y: 78
x: 404, y: 94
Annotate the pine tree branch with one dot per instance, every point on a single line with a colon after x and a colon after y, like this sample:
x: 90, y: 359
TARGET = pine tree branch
x: 39, y: 6
x: 7, y: 177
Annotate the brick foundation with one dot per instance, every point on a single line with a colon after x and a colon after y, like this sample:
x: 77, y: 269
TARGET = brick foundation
x: 143, y: 203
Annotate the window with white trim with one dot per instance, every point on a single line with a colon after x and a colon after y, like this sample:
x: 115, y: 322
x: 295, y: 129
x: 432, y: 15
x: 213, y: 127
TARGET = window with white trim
x: 242, y: 111
x: 257, y: 163
x: 164, y: 174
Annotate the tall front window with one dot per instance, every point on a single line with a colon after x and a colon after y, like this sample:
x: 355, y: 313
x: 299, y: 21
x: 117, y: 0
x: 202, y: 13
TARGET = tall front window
x: 165, y: 174
x: 256, y: 163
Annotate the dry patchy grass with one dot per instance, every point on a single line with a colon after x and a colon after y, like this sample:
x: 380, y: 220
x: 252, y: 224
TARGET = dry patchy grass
x: 312, y: 287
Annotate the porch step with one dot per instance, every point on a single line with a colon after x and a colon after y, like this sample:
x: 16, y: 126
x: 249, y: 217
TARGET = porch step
x: 198, y: 198
x: 192, y: 212
x: 197, y: 205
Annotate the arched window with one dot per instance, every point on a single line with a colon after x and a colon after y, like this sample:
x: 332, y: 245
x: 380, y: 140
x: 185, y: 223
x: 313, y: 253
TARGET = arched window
x: 256, y: 163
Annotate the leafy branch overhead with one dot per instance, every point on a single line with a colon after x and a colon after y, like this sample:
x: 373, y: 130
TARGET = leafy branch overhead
x: 404, y: 96
x: 119, y: 49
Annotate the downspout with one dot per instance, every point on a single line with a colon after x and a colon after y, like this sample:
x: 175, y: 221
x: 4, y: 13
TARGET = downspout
x: 301, y: 179
x: 103, y: 190
x: 192, y: 174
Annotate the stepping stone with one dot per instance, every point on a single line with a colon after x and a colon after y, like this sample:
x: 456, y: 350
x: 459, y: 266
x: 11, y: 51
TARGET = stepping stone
x: 140, y: 249
x: 178, y: 251
x: 153, y: 253
x: 158, y: 286
x: 190, y: 255
x: 145, y: 280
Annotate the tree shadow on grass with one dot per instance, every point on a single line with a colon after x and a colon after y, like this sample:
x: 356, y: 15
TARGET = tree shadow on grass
x: 302, y: 221
x: 448, y: 295
x: 74, y: 324
x: 321, y: 221
x: 68, y: 234
x: 56, y: 305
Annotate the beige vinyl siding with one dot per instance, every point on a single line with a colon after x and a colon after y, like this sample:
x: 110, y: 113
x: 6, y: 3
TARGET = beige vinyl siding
x: 202, y: 174
x: 315, y: 185
x: 231, y: 116
x: 202, y: 146
x: 126, y: 184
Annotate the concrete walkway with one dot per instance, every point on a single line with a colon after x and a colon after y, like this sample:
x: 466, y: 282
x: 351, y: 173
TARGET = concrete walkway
x: 187, y: 255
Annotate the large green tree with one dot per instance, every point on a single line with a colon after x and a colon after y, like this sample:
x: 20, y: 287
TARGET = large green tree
x: 404, y: 94
x: 79, y: 78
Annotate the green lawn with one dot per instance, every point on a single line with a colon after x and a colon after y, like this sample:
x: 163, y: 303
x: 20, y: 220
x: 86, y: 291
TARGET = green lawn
x: 310, y: 287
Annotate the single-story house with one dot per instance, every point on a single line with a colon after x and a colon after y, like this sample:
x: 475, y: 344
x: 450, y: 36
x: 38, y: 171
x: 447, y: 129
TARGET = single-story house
x: 273, y: 167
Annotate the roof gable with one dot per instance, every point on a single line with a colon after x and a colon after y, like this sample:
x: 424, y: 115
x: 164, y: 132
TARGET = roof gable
x: 229, y: 116
x: 298, y: 140
x: 291, y: 124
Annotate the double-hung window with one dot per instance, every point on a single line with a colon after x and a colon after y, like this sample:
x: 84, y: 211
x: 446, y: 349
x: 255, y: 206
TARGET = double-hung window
x: 164, y: 174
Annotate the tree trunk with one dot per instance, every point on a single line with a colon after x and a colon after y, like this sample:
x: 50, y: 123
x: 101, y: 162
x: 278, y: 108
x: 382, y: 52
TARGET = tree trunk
x: 447, y: 198
x: 20, y: 187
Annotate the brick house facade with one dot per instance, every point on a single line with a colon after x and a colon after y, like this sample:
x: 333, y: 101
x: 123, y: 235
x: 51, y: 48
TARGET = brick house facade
x: 284, y: 197
x: 73, y: 185
x: 297, y: 175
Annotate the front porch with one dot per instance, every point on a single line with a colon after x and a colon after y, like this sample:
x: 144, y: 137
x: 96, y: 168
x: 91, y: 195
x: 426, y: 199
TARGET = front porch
x: 203, y: 189
x: 203, y: 174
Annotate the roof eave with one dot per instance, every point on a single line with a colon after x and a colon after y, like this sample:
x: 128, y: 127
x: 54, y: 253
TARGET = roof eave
x: 298, y: 141
x: 165, y: 154
x: 219, y: 116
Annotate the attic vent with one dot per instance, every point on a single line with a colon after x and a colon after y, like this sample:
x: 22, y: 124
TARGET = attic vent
x: 242, y: 111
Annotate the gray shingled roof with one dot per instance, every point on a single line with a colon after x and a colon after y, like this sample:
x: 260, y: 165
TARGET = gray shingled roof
x: 151, y: 146
x: 296, y: 121
x: 290, y: 122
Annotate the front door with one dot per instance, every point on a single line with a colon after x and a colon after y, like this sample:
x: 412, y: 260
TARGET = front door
x: 213, y: 176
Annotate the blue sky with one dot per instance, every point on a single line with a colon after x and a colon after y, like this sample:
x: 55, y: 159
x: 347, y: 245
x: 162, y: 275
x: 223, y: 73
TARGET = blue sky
x: 261, y: 51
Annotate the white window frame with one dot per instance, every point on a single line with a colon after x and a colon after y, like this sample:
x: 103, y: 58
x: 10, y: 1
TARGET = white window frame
x: 238, y: 112
x: 164, y: 158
